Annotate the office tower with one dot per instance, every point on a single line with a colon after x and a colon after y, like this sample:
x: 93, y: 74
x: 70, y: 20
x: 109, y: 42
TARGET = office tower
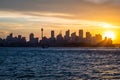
x: 9, y: 38
x: 67, y: 35
x: 52, y: 34
x: 19, y: 37
x: 59, y: 37
x: 98, y: 38
x: 81, y: 34
x: 73, y: 36
x: 31, y: 37
x: 88, y: 37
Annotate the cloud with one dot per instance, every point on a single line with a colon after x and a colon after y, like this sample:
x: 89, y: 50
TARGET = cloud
x: 48, y: 5
x: 94, y: 10
x: 103, y: 1
x: 97, y: 1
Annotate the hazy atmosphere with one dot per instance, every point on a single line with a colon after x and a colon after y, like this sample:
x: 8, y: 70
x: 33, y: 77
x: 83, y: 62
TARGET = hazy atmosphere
x: 26, y: 16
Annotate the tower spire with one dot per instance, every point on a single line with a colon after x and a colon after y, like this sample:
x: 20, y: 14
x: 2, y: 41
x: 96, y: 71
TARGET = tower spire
x: 41, y: 33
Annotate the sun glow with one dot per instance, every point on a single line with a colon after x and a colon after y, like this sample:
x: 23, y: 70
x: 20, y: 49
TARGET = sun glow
x: 107, y: 26
x: 109, y: 34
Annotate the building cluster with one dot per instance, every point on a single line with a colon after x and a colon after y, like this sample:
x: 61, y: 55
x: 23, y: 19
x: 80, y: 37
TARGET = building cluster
x: 68, y: 40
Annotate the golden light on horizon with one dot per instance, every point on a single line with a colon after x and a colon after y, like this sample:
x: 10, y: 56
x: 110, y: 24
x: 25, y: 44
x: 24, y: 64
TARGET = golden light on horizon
x: 107, y: 26
x: 109, y: 34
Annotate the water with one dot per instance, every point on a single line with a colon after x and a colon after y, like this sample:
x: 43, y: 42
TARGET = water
x: 59, y: 63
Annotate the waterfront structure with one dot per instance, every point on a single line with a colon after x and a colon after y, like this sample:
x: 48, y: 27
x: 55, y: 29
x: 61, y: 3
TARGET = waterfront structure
x: 59, y: 40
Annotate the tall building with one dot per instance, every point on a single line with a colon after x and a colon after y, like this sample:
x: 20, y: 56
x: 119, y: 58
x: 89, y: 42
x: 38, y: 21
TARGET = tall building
x: 19, y: 37
x: 67, y: 35
x: 31, y: 37
x: 81, y: 34
x: 88, y: 37
x: 59, y: 40
x: 33, y: 41
x: 1, y: 42
x: 41, y: 33
x: 52, y: 34
x: 73, y: 36
x: 59, y: 37
x: 9, y: 39
x: 98, y: 38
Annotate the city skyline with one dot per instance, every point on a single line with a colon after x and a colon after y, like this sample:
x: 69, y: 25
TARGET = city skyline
x: 67, y: 40
x: 42, y: 33
x: 26, y: 16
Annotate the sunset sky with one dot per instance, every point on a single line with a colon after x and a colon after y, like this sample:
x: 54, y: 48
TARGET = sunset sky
x: 26, y: 16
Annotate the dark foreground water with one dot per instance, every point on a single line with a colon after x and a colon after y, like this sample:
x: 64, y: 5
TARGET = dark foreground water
x: 59, y: 63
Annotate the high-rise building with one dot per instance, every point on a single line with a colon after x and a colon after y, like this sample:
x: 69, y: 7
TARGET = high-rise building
x: 73, y: 36
x: 19, y: 37
x: 98, y: 38
x: 33, y: 41
x: 81, y: 34
x: 88, y: 37
x: 9, y: 38
x: 52, y: 34
x: 31, y: 37
x: 59, y: 37
x: 67, y: 35
x: 41, y: 33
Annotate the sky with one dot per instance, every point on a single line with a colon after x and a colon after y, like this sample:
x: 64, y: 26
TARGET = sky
x: 26, y: 16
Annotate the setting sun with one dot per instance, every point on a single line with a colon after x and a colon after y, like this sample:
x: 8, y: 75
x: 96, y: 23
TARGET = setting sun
x: 109, y: 34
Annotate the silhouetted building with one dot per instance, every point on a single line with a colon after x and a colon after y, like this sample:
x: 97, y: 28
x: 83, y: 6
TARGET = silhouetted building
x: 52, y: 40
x: 81, y: 34
x: 52, y: 34
x: 31, y: 38
x: 19, y: 37
x: 88, y: 37
x: 59, y: 41
x: 80, y: 37
x: 1, y: 42
x: 59, y: 37
x: 67, y: 35
x: 23, y: 40
x: 9, y: 40
x: 96, y: 39
x: 33, y: 41
x: 44, y: 42
x: 41, y: 33
x: 73, y: 37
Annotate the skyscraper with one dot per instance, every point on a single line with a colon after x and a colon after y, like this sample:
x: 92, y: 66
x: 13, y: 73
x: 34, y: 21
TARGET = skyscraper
x: 33, y: 41
x: 73, y: 36
x: 88, y: 37
x: 52, y: 34
x: 67, y: 35
x: 19, y: 37
x: 41, y: 33
x: 31, y: 37
x: 81, y: 34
